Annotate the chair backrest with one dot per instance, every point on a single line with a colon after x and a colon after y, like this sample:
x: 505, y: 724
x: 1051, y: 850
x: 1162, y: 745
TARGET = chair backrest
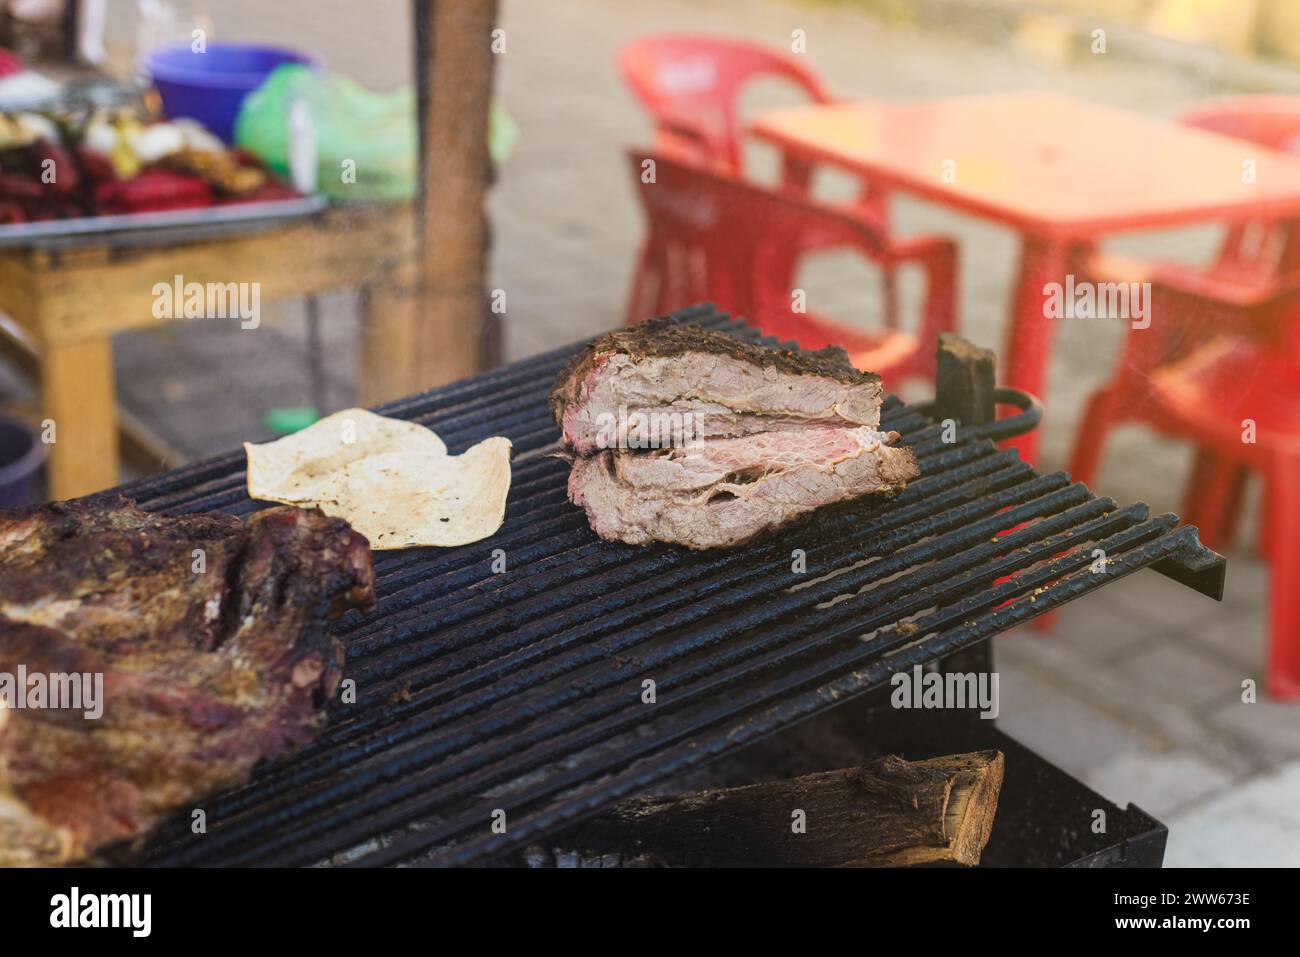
x: 734, y: 242
x: 691, y: 83
x: 1269, y: 120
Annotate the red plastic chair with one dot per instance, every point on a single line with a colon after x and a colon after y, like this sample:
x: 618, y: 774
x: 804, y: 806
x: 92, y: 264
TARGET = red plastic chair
x: 1244, y: 284
x: 1248, y: 266
x: 739, y: 245
x: 1205, y: 370
x: 691, y: 87
x: 1242, y: 381
x: 1250, y: 253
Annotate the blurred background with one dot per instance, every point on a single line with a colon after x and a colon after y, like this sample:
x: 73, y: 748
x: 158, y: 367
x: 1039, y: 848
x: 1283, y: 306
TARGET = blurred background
x: 1140, y: 695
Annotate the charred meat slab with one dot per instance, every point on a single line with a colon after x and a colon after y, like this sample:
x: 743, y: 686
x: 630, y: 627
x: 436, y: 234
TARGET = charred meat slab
x: 208, y: 640
x: 694, y: 437
x: 729, y: 491
x: 736, y: 387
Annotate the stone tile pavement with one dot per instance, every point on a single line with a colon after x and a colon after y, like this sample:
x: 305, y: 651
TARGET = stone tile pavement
x: 1137, y: 692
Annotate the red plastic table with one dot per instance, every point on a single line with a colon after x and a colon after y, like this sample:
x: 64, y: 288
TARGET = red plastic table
x: 1060, y: 171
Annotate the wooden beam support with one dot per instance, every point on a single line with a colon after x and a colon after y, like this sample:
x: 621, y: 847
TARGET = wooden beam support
x: 456, y: 166
x: 61, y: 301
x: 340, y: 249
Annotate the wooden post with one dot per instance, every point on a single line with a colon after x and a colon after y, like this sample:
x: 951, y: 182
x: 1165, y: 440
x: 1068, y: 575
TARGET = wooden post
x: 455, y: 170
x: 964, y: 387
x: 964, y: 376
x: 391, y: 334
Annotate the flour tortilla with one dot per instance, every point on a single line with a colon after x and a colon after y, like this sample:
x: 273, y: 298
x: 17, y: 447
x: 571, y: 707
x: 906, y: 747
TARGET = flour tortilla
x: 393, y: 481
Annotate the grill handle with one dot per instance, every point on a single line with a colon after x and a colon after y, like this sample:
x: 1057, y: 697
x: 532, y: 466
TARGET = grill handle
x: 965, y: 391
x: 997, y: 429
x: 1031, y: 413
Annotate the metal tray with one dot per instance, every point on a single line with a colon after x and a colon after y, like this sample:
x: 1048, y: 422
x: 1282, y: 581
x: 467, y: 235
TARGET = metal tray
x: 25, y: 234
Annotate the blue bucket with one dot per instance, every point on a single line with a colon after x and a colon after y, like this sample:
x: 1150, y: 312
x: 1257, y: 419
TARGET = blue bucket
x: 21, y: 458
x: 210, y: 86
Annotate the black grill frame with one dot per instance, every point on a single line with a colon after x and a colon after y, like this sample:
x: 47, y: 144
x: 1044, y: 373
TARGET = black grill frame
x: 529, y: 682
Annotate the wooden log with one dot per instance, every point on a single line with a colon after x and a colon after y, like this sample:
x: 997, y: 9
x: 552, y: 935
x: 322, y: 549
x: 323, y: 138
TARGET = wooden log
x: 888, y: 813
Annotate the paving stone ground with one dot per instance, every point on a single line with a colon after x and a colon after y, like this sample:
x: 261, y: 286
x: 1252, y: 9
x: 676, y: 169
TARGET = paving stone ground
x: 1137, y: 692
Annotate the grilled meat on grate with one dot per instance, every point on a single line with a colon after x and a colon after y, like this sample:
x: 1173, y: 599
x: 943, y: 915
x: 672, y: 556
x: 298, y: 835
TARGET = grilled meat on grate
x: 694, y: 437
x: 210, y: 636
x: 728, y: 491
x: 740, y: 388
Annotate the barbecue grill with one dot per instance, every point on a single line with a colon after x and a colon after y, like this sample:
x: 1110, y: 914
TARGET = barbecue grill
x: 504, y: 679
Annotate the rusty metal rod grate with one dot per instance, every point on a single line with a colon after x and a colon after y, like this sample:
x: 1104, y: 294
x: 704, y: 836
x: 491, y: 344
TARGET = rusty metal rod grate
x: 522, y: 691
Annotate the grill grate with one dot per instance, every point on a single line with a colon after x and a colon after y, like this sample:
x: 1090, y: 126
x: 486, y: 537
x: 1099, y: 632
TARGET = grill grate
x: 522, y: 691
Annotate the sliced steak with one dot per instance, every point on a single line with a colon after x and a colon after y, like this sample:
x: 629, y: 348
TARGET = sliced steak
x: 661, y: 367
x: 211, y: 639
x: 725, y: 492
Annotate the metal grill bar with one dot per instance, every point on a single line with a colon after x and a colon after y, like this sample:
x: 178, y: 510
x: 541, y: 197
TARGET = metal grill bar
x: 526, y: 685
x: 418, y: 718
x: 638, y: 778
x: 763, y: 654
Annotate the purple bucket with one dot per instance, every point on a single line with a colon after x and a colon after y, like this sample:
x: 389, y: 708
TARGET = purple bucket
x: 210, y: 86
x: 21, y: 458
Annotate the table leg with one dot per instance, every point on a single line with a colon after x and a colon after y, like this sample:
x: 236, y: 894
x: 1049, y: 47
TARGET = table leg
x: 77, y: 395
x: 315, y: 359
x: 1284, y: 598
x: 1027, y: 350
x: 796, y: 172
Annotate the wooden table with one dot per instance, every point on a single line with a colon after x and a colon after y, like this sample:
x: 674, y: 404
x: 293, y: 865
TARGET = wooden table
x: 69, y: 296
x: 1060, y: 171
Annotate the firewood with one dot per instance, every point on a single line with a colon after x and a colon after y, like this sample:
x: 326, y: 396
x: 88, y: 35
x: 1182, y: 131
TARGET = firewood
x: 890, y: 812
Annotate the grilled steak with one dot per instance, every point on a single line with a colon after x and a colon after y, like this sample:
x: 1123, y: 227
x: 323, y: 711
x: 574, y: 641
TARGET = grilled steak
x: 210, y: 637
x: 726, y: 492
x: 769, y: 435
x: 735, y: 387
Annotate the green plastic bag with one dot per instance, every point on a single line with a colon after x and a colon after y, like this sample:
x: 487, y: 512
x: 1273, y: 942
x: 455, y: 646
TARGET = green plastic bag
x: 366, y: 142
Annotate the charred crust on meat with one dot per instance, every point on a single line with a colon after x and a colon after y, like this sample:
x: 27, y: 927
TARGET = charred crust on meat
x: 666, y: 336
x: 205, y: 671
x: 797, y: 432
